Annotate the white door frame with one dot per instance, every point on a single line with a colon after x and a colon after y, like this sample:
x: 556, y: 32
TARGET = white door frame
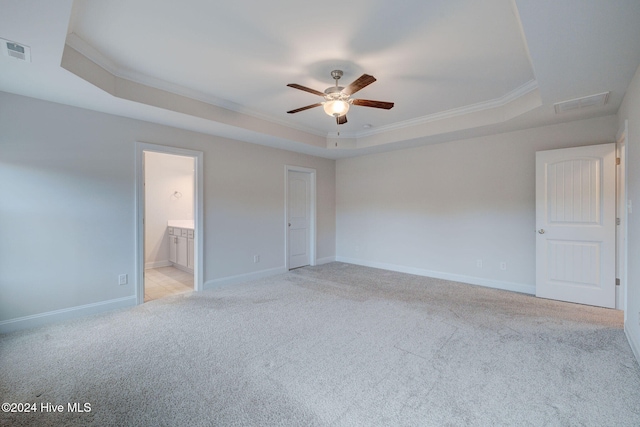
x: 621, y: 213
x: 596, y: 234
x: 312, y: 219
x: 198, y: 210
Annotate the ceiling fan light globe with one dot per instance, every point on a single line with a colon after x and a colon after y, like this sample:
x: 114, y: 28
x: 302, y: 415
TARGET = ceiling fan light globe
x: 336, y: 108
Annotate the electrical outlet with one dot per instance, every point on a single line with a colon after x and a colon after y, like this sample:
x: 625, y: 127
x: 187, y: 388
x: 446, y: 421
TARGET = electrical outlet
x: 479, y: 263
x: 503, y: 266
x: 123, y: 279
x: 256, y: 259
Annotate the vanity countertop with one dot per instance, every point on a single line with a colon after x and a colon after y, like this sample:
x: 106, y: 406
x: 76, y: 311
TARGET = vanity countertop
x: 181, y: 223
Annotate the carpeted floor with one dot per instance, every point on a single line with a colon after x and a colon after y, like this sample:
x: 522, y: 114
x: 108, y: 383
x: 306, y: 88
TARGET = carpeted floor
x: 331, y: 345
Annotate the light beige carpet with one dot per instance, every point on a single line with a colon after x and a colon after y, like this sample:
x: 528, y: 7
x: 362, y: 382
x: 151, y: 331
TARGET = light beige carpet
x: 335, y: 345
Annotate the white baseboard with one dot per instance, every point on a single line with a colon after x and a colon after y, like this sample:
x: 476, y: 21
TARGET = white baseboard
x: 180, y: 267
x: 496, y: 284
x: 325, y: 260
x: 635, y: 345
x: 232, y: 280
x: 157, y: 264
x: 41, y: 319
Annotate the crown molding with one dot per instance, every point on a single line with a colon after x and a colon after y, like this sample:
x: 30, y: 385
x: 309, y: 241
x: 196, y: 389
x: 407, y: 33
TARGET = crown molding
x: 81, y: 46
x: 519, y: 92
x: 95, y: 56
x: 116, y: 70
x: 526, y: 88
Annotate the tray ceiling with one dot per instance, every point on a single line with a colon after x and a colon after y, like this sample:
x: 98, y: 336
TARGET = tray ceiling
x: 453, y: 68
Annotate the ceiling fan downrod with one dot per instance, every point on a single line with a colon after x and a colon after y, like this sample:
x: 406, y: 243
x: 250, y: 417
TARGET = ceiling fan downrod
x: 336, y: 74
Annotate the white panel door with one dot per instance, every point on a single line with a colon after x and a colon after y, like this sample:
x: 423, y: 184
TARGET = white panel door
x: 298, y: 216
x: 575, y: 222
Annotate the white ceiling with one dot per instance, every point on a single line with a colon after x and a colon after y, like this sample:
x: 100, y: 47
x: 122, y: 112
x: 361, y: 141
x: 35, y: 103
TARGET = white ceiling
x: 453, y: 68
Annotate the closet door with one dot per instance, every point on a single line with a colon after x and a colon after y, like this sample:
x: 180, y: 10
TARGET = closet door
x: 298, y: 217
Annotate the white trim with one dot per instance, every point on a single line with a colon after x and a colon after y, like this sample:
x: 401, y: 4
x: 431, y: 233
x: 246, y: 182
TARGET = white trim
x: 622, y: 132
x: 242, y: 278
x: 515, y: 94
x: 325, y: 260
x: 157, y: 264
x: 95, y: 56
x: 622, y: 248
x: 182, y: 268
x: 198, y: 212
x: 312, y: 220
x: 488, y: 283
x: 635, y: 346
x: 41, y: 319
x: 89, y: 52
x: 518, y: 92
x: 92, y: 54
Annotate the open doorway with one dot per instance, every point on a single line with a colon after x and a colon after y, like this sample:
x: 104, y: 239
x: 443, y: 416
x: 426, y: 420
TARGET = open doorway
x: 169, y: 183
x: 169, y: 205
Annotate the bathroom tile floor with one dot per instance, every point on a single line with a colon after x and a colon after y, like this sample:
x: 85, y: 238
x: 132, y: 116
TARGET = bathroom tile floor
x: 164, y: 281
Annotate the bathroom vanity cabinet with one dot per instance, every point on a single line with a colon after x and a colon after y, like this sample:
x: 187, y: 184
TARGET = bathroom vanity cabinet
x: 181, y: 251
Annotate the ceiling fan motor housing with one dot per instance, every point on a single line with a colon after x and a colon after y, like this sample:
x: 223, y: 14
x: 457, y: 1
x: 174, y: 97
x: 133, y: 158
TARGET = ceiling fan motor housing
x: 333, y: 89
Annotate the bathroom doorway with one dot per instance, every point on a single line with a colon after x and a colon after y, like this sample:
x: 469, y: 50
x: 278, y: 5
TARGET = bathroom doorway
x: 169, y: 220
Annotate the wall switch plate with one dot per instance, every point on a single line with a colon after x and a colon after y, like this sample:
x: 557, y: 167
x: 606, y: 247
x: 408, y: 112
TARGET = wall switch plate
x: 479, y: 263
x: 123, y: 279
x: 503, y: 266
x: 256, y: 258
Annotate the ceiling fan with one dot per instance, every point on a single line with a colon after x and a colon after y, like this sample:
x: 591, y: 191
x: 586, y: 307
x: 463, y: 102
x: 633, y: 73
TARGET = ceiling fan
x: 337, y: 99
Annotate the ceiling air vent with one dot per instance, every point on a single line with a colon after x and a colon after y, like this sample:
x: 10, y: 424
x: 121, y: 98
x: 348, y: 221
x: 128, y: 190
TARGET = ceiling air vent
x: 15, y: 50
x: 579, y: 103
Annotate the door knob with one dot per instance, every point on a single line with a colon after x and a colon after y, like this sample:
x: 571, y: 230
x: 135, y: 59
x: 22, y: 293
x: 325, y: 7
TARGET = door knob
x: 541, y: 231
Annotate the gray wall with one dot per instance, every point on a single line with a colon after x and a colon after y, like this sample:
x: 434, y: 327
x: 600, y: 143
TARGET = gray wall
x: 67, y: 213
x: 436, y: 210
x: 630, y: 110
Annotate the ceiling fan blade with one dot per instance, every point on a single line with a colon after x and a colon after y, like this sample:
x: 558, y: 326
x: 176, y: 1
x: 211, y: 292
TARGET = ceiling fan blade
x: 374, y: 104
x: 341, y: 119
x: 306, y: 89
x: 297, y: 110
x: 362, y: 82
